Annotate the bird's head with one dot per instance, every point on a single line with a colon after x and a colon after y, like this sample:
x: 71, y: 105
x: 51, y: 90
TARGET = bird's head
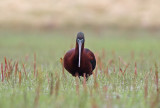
x: 80, y: 42
x: 80, y: 38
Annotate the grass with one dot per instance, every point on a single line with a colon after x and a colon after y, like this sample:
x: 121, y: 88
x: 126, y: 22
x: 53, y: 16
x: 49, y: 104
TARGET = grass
x: 113, y: 84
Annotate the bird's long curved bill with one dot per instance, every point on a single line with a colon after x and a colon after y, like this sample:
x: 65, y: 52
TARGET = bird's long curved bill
x: 80, y: 47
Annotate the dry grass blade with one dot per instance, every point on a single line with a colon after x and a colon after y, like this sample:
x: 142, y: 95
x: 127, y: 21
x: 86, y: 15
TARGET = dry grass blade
x: 61, y: 60
x: 84, y: 82
x: 135, y: 71
x: 16, y: 68
x: 106, y: 71
x: 156, y: 76
x: 77, y: 85
x: 99, y: 62
x: 24, y: 70
x: 114, y: 69
x: 110, y: 62
x: 146, y: 87
x: 155, y: 101
x: 126, y: 68
x: 51, y: 85
x: 95, y: 81
x: 120, y: 65
x: 103, y: 53
x: 34, y: 64
x: 121, y: 71
x: 96, y: 71
x: 105, y: 88
x: 20, y: 76
x: 36, y: 100
x: 6, y: 67
x: 9, y: 68
x: 94, y: 104
x: 151, y: 71
x: 2, y: 72
x: 57, y: 86
x: 48, y: 78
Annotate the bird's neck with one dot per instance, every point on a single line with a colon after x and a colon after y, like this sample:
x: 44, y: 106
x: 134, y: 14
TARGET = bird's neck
x: 77, y: 50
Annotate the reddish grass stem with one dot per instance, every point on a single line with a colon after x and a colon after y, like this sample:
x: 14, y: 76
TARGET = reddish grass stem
x: 120, y: 70
x: 57, y: 86
x: 20, y: 78
x: 2, y: 72
x: 156, y: 76
x: 146, y: 87
x: 106, y: 71
x: 24, y: 70
x: 61, y: 60
x: 16, y: 68
x: 126, y: 68
x: 34, y: 64
x: 6, y: 67
x: 95, y: 81
x: 10, y: 67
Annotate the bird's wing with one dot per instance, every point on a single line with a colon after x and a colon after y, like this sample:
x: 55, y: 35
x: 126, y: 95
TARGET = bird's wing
x: 91, y: 57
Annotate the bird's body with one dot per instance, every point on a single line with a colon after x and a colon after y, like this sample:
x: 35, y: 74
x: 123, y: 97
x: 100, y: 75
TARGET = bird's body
x: 79, y: 60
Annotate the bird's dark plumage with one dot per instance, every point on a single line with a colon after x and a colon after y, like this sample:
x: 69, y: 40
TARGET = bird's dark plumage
x: 80, y: 60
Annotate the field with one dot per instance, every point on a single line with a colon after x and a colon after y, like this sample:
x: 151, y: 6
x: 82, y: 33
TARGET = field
x: 126, y: 76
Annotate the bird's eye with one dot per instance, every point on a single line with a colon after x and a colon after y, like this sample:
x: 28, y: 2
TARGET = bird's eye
x: 78, y: 40
x: 82, y: 40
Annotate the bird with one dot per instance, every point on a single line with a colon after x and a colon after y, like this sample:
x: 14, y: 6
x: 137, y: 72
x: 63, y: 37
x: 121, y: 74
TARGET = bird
x: 80, y: 61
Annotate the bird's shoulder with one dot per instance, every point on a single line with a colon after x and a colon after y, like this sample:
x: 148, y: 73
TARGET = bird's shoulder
x: 70, y: 51
x: 89, y: 53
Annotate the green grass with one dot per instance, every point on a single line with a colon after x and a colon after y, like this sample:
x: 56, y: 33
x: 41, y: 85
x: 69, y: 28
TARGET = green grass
x: 112, y: 90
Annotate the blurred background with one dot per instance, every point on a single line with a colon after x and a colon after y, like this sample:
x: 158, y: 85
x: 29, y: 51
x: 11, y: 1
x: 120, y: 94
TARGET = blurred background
x: 53, y: 14
x: 28, y: 26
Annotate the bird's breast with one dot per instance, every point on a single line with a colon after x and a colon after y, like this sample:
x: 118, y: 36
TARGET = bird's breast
x: 71, y: 64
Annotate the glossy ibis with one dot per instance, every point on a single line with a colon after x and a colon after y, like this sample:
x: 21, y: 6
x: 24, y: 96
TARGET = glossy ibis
x: 80, y: 60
